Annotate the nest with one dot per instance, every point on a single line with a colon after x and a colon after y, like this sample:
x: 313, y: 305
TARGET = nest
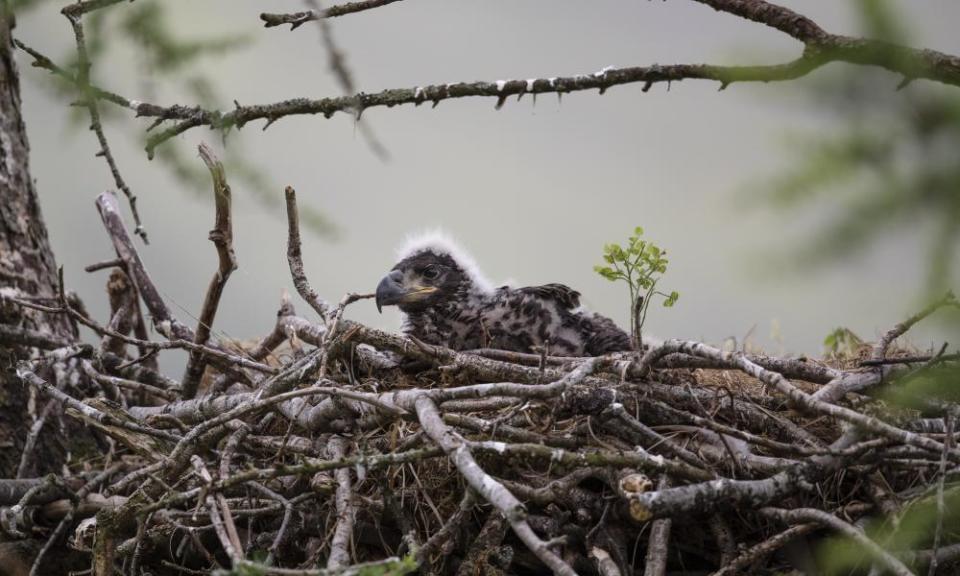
x: 358, y: 451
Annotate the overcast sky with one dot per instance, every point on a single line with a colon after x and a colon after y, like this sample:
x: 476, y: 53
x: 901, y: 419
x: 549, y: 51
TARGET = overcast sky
x: 533, y: 191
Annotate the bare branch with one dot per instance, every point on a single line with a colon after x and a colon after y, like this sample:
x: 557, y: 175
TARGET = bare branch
x: 299, y: 18
x: 82, y: 7
x: 492, y: 491
x: 91, y: 101
x: 801, y: 399
x: 222, y: 238
x: 339, y: 546
x: 779, y: 17
x: 295, y: 259
x: 941, y: 504
x: 821, y: 49
x: 879, y: 351
x: 658, y: 543
x: 338, y: 65
x: 113, y: 222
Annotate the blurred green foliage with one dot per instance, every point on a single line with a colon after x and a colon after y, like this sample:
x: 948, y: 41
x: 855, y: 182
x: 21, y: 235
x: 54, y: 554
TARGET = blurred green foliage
x: 400, y: 567
x: 405, y: 565
x: 926, y: 388
x: 840, y: 555
x: 887, y: 167
x: 165, y: 63
x: 842, y: 342
x: 640, y: 263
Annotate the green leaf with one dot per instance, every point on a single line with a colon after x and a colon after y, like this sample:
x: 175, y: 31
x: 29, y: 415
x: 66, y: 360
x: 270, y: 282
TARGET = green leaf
x: 606, y: 272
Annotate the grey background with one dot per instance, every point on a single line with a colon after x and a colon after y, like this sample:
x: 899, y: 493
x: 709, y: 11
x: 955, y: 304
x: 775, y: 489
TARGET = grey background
x: 532, y: 191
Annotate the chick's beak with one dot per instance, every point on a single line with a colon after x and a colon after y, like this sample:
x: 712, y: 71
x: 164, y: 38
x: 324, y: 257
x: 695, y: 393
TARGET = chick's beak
x: 390, y: 290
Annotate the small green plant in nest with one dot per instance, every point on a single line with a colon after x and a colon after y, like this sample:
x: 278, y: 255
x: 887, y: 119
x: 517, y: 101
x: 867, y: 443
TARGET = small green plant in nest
x: 641, y: 264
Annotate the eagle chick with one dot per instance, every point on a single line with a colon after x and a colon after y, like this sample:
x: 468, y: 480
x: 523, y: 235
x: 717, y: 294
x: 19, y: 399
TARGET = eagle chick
x: 447, y: 301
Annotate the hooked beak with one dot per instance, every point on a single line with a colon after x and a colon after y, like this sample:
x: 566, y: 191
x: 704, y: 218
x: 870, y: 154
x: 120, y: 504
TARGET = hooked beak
x: 391, y: 291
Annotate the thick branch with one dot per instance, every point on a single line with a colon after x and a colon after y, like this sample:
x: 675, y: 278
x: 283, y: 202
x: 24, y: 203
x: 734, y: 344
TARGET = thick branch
x: 779, y: 17
x: 485, y: 485
x: 340, y: 544
x: 658, y: 544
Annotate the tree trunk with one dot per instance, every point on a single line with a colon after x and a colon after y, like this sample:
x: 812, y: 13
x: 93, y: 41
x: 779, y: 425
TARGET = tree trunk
x: 27, y: 269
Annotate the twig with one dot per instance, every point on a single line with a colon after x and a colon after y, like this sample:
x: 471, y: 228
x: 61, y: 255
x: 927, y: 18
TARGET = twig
x: 941, y: 504
x: 166, y: 323
x: 606, y: 565
x: 284, y: 524
x: 222, y: 238
x: 801, y: 399
x: 763, y: 549
x: 774, y: 16
x: 299, y: 18
x: 122, y: 298
x: 25, y: 374
x: 228, y: 539
x: 339, y: 546
x: 486, y: 543
x: 113, y: 222
x: 91, y: 101
x: 485, y: 485
x: 910, y: 359
x: 369, y: 461
x: 226, y: 359
x: 295, y: 260
x: 338, y: 65
x: 115, y: 263
x: 68, y: 518
x: 82, y: 7
x: 32, y: 436
x: 449, y: 529
x: 879, y: 351
x: 658, y: 543
x: 653, y: 438
x: 41, y: 61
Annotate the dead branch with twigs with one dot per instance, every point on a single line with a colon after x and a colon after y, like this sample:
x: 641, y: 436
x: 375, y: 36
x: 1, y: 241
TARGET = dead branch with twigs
x: 820, y: 48
x: 362, y: 450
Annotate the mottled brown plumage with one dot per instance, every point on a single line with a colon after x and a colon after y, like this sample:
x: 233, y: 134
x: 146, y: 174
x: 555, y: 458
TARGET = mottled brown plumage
x: 446, y: 301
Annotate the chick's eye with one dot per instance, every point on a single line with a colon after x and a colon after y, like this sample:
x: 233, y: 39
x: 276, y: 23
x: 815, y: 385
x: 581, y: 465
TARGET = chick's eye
x: 431, y: 273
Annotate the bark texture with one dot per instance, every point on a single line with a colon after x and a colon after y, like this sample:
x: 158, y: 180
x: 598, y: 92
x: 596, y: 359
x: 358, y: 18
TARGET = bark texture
x: 27, y: 266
